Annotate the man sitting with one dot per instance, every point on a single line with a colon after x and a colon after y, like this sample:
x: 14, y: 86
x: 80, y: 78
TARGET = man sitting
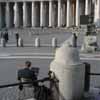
x: 27, y: 74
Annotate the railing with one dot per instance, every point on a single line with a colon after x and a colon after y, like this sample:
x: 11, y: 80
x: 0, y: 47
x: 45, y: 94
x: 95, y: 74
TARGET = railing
x: 12, y: 91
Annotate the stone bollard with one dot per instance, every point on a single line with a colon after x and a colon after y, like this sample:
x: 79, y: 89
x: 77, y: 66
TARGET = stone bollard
x: 69, y: 71
x: 3, y: 42
x: 54, y: 42
x: 37, y: 42
x: 20, y: 42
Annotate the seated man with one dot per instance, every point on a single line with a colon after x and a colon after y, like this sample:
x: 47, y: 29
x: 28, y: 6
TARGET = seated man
x: 26, y: 74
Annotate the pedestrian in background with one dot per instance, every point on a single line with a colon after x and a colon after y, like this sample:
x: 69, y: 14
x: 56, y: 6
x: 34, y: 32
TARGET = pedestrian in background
x: 17, y: 38
x: 74, y: 40
x: 6, y: 37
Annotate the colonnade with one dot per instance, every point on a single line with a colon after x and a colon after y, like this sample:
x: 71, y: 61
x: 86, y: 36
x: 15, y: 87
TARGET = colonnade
x: 52, y: 13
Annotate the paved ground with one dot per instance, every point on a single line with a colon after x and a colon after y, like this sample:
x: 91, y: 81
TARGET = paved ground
x: 11, y: 57
x: 45, y: 51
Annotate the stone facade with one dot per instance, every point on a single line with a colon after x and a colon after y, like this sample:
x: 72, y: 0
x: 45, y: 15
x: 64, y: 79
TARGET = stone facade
x: 46, y: 13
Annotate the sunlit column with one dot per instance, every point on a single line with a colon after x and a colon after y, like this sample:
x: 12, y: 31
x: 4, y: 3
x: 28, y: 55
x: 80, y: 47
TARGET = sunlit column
x: 41, y: 14
x: 68, y: 13
x: 77, y: 13
x: 33, y: 14
x: 86, y: 7
x: 16, y: 15
x: 50, y: 13
x: 25, y: 15
x: 98, y: 9
x: 59, y: 13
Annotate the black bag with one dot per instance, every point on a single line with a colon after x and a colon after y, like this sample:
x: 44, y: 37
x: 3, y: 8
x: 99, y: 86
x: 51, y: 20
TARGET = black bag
x: 42, y: 93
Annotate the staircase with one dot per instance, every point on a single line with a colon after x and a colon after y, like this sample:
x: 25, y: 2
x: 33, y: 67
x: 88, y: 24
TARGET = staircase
x: 28, y: 31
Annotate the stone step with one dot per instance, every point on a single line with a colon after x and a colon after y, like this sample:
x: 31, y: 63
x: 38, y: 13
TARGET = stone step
x: 28, y: 31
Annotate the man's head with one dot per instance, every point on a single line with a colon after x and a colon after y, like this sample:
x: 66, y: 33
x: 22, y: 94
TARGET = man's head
x: 28, y: 64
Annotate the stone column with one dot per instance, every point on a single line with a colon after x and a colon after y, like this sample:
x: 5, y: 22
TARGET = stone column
x: 8, y: 21
x: 86, y: 7
x: 25, y: 16
x: 41, y: 14
x: 59, y: 13
x: 98, y: 9
x: 95, y: 11
x: 68, y: 13
x: 1, y: 23
x: 16, y: 15
x: 63, y: 15
x: 33, y: 14
x: 77, y: 13
x: 50, y: 13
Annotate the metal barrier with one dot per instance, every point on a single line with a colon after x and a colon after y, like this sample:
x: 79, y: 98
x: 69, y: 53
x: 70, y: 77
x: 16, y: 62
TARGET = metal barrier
x: 12, y: 92
x: 88, y: 74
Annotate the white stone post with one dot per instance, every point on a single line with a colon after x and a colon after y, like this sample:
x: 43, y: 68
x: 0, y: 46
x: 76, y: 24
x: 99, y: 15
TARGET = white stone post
x: 86, y: 7
x: 25, y: 16
x: 16, y: 15
x: 77, y: 13
x: 68, y: 13
x: 20, y: 42
x: 54, y: 42
x: 59, y: 13
x: 3, y: 42
x: 37, y: 42
x: 41, y: 14
x: 50, y: 13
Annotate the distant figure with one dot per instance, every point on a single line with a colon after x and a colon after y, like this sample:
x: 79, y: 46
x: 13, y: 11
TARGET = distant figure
x: 17, y: 38
x: 74, y: 40
x: 6, y: 37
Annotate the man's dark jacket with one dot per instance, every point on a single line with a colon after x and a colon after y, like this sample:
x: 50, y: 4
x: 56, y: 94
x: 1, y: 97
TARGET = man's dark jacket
x: 26, y: 73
